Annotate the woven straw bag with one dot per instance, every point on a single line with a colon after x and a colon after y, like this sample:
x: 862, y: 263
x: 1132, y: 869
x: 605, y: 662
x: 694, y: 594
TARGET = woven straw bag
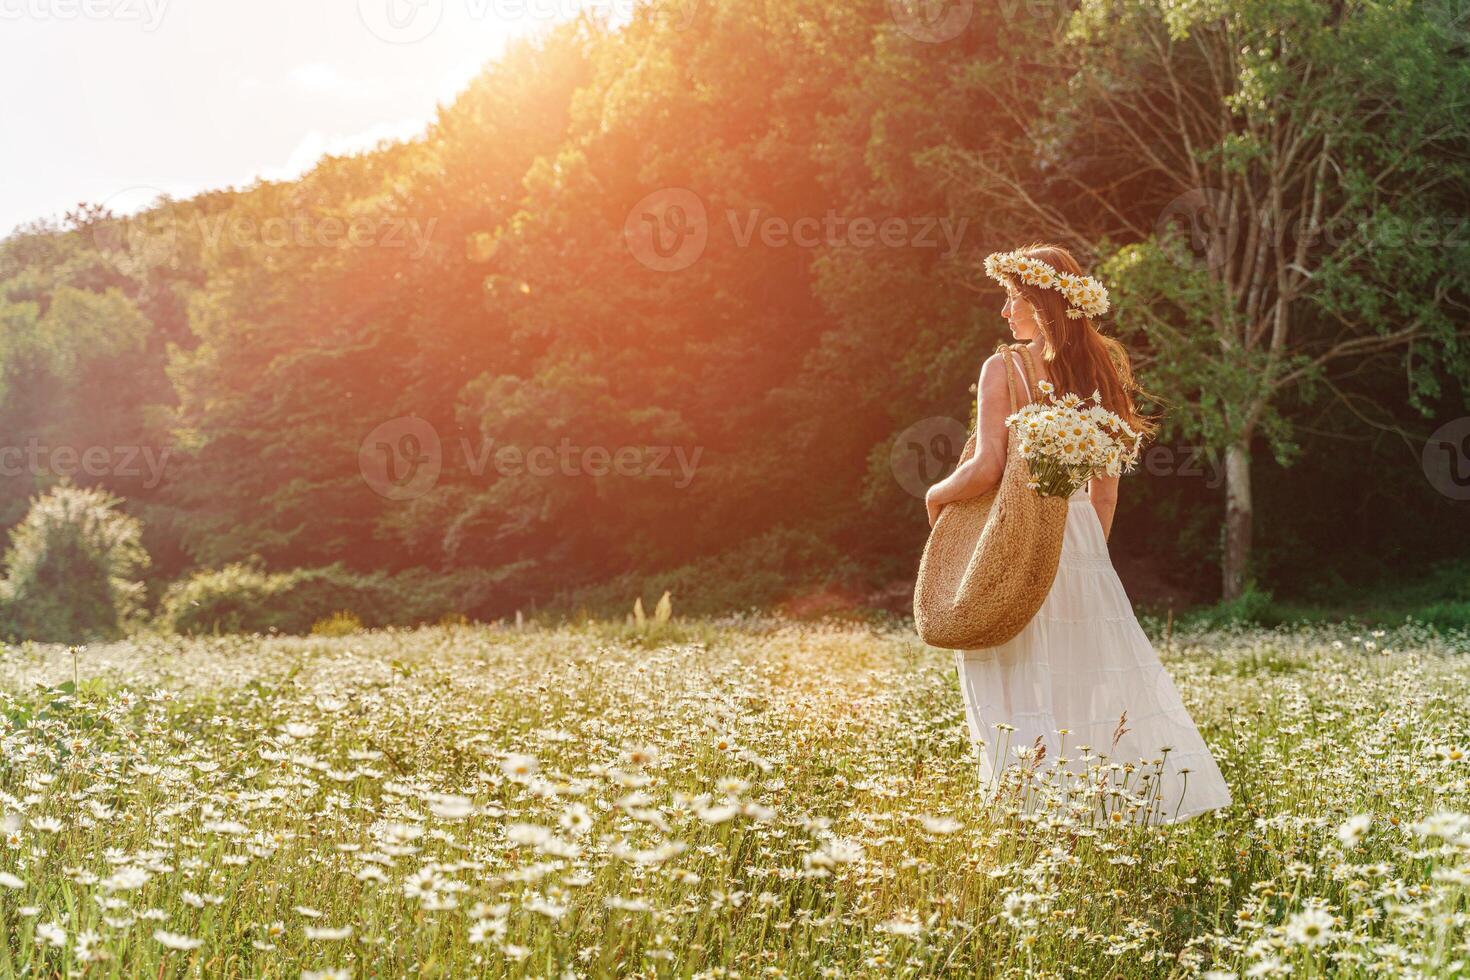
x: 990, y: 560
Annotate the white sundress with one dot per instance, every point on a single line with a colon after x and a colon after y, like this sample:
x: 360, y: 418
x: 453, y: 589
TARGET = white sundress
x: 1079, y: 664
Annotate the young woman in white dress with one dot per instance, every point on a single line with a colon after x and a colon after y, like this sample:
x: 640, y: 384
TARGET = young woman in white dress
x: 1076, y: 711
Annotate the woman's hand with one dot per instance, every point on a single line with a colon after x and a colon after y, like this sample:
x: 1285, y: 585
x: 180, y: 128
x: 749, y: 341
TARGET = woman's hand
x: 934, y: 504
x: 1103, y: 490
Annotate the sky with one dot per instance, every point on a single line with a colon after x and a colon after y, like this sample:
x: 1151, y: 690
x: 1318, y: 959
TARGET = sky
x: 116, y: 101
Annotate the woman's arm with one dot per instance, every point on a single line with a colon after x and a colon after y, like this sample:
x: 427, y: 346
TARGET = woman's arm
x: 981, y: 472
x: 1103, y: 490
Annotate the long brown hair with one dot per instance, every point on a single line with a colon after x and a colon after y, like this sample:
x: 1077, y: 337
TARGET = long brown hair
x: 1078, y: 358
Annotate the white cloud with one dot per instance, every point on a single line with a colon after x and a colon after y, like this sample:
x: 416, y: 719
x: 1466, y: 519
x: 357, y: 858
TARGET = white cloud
x: 317, y: 144
x: 325, y: 80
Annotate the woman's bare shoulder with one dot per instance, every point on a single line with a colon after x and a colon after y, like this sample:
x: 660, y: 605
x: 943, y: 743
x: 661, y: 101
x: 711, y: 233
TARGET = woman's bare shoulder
x: 993, y: 386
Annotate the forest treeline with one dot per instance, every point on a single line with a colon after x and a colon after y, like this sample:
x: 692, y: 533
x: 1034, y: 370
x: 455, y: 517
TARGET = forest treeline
x: 700, y: 293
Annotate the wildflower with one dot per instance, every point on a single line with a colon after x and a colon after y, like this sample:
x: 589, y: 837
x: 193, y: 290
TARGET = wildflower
x: 126, y: 879
x: 422, y: 883
x: 174, y: 940
x: 485, y: 929
x: 527, y: 833
x: 86, y: 947
x: 576, y: 819
x: 52, y: 933
x: 450, y: 806
x: 548, y: 908
x: 901, y: 927
x: 940, y: 825
x: 1444, y: 824
x: 1312, y: 927
x: 716, y: 814
x: 731, y: 785
x: 757, y: 812
x: 626, y: 904
x: 641, y: 755
x: 1353, y: 829
x: 654, y: 855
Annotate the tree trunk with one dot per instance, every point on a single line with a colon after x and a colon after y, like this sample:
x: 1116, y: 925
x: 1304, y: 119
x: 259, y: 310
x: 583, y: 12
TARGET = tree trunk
x: 1238, y: 513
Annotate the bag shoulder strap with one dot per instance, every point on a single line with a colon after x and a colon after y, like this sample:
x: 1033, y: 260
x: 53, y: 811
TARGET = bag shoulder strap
x: 1010, y: 380
x: 1033, y: 393
x: 1008, y: 352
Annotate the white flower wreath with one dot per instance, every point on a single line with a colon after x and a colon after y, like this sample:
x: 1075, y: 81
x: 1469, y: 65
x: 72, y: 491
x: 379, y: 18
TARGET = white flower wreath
x: 1085, y: 295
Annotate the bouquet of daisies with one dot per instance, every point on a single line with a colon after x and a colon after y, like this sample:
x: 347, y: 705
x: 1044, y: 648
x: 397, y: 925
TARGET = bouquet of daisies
x: 1065, y: 443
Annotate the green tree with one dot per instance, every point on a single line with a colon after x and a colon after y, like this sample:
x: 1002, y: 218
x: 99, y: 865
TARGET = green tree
x: 1267, y: 185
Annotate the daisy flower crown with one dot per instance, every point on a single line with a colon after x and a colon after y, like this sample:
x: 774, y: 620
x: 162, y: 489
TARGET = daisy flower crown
x: 1085, y: 295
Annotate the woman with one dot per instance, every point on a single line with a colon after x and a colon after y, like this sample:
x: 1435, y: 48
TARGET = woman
x: 1080, y: 689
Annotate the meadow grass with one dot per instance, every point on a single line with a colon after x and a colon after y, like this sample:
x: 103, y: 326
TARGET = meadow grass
x: 743, y: 796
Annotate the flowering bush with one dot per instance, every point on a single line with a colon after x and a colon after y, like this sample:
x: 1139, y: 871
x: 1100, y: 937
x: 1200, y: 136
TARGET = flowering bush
x: 72, y: 571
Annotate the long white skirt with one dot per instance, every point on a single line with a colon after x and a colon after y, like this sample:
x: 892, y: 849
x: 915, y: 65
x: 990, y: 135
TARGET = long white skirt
x: 1080, y: 664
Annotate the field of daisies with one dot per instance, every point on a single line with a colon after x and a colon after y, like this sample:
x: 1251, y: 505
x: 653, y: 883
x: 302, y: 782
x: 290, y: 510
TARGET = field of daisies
x: 747, y: 797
